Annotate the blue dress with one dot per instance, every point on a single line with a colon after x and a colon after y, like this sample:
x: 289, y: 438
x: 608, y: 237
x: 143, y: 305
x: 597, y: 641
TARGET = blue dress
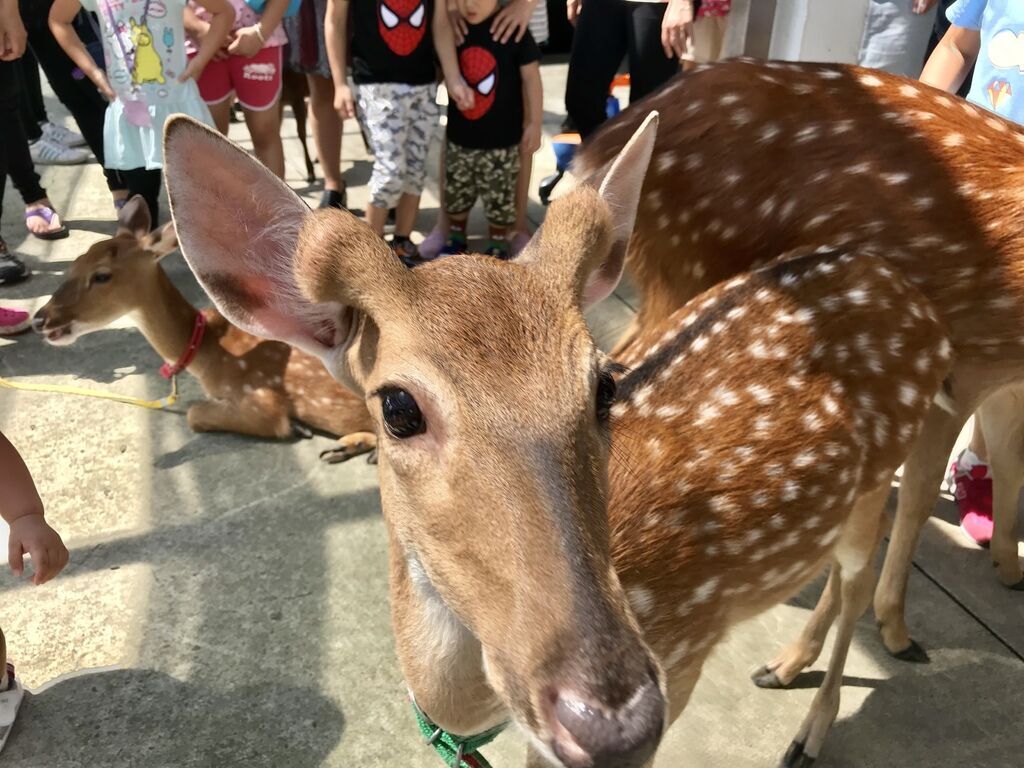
x: 144, y: 49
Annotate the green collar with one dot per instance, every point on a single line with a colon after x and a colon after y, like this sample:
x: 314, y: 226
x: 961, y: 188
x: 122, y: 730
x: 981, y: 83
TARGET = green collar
x: 456, y: 751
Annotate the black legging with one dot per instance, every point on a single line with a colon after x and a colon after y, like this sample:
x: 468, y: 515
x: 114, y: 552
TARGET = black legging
x: 33, y: 108
x: 82, y: 99
x: 146, y: 183
x: 15, y: 160
x: 606, y: 31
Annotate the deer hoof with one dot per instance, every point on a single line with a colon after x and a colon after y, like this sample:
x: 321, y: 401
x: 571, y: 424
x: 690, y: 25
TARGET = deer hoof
x: 913, y: 653
x: 768, y: 678
x: 795, y: 757
x: 371, y: 457
x: 337, y: 455
x: 301, y: 430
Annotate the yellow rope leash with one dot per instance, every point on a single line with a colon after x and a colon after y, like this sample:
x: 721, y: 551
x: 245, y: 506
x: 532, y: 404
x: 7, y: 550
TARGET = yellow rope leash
x: 164, y: 402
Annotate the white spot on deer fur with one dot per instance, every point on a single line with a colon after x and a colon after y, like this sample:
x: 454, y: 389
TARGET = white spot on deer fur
x: 812, y: 420
x: 740, y: 117
x: 795, y: 382
x: 870, y: 81
x: 842, y: 126
x: 829, y: 536
x: 699, y: 343
x: 728, y: 98
x: 908, y: 90
x: 830, y: 74
x: 789, y: 491
x: 714, y: 226
x: 806, y: 134
x: 680, y: 651
x: 732, y: 178
x: 768, y: 133
x: 953, y: 140
x: 729, y: 233
x: 693, y: 162
x: 857, y: 296
x: 908, y: 394
x: 821, y: 218
x: 668, y: 412
x: 699, y: 270
x: 761, y: 394
x: 767, y: 207
x: 642, y: 600
x: 675, y: 241
x: 664, y: 222
x: 665, y: 161
x: 923, y: 203
x: 804, y: 459
x: 777, y: 521
x: 704, y: 592
x: 758, y: 350
x: 858, y: 168
x: 247, y: 389
x: 999, y: 125
x: 618, y: 410
x: 642, y: 395
x: 820, y: 176
x: 723, y: 504
x: 762, y: 424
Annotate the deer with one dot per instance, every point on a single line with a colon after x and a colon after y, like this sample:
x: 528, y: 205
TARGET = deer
x: 551, y: 561
x: 758, y: 158
x: 255, y: 387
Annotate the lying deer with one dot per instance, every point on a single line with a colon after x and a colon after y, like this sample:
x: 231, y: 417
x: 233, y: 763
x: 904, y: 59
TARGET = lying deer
x: 756, y: 159
x: 256, y: 387
x: 551, y: 559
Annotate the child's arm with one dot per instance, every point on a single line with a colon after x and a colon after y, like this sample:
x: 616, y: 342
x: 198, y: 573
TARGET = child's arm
x: 952, y: 58
x: 336, y: 37
x: 21, y: 508
x: 444, y: 44
x: 12, y: 32
x: 250, y: 40
x: 533, y: 107
x: 211, y: 40
x: 62, y: 13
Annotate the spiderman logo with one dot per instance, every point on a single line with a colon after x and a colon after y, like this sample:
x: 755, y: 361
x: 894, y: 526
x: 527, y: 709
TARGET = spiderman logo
x: 480, y: 70
x: 401, y: 24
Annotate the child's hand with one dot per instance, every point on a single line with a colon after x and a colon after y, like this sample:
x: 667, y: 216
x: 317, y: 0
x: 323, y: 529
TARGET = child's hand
x: 344, y: 103
x: 923, y: 6
x: 247, y: 42
x: 531, y: 138
x: 30, y: 534
x: 193, y: 71
x: 572, y: 10
x: 459, y: 25
x: 512, y: 21
x: 99, y: 78
x: 460, y: 93
x: 201, y: 30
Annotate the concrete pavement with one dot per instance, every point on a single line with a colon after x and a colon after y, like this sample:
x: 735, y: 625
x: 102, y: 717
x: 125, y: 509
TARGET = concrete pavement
x: 226, y: 604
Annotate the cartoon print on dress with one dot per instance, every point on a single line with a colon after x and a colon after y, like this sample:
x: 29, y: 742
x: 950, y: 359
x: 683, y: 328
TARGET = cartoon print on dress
x: 168, y: 38
x: 402, y: 24
x: 157, y: 10
x: 1005, y: 51
x: 147, y: 65
x: 480, y: 70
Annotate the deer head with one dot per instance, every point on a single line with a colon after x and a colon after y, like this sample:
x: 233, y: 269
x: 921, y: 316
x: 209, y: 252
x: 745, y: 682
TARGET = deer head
x: 491, y: 402
x: 111, y: 279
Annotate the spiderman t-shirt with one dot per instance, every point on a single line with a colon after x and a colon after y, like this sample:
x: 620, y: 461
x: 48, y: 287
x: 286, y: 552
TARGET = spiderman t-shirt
x: 391, y: 42
x: 491, y: 69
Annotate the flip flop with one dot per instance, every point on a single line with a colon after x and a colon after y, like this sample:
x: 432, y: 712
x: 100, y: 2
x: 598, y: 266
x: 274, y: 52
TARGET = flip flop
x: 10, y: 700
x: 46, y: 213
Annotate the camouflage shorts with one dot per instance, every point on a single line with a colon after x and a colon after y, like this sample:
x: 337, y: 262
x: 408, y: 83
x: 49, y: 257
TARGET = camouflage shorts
x: 489, y: 174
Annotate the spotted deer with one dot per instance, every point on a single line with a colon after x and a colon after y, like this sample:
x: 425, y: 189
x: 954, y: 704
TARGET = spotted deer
x: 551, y: 560
x: 256, y: 387
x: 758, y: 158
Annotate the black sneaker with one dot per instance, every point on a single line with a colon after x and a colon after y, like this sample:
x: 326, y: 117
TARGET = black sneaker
x: 498, y: 251
x: 334, y: 199
x: 453, y: 246
x: 12, y: 269
x: 406, y: 251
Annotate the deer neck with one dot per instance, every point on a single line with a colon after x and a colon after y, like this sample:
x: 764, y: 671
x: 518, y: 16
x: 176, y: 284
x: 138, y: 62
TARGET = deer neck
x: 167, y: 320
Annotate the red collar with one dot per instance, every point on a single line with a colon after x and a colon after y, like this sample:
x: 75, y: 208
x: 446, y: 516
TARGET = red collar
x: 167, y: 370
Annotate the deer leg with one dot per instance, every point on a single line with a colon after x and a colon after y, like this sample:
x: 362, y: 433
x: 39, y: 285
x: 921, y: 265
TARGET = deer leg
x: 800, y: 654
x: 855, y: 575
x: 259, y: 416
x: 1000, y: 419
x: 349, y: 446
x: 922, y: 474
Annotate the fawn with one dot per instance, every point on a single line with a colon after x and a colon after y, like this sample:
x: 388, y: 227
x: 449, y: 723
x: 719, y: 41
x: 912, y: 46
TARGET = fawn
x: 256, y: 387
x: 759, y: 158
x: 550, y: 558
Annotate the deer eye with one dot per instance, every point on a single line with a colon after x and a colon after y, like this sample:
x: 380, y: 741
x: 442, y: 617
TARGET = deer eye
x: 102, y: 277
x: 606, y: 388
x: 402, y: 416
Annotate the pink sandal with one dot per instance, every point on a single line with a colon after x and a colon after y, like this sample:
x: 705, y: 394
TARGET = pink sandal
x: 46, y: 213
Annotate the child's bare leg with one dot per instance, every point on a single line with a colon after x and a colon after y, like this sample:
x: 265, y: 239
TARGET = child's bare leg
x: 265, y: 129
x: 327, y: 126
x: 522, y: 225
x: 405, y: 214
x: 4, y: 682
x: 376, y: 217
x: 221, y: 112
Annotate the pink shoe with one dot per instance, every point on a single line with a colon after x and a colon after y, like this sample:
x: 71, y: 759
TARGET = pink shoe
x: 972, y: 488
x: 13, y: 321
x: 432, y: 245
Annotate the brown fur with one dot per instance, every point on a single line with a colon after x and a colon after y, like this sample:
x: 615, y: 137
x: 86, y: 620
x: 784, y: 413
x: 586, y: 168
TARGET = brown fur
x: 757, y: 159
x: 256, y: 387
x: 521, y: 528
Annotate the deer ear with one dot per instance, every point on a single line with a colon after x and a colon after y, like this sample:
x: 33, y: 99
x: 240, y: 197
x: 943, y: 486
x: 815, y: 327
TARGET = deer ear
x: 162, y: 241
x: 238, y: 226
x: 590, y: 229
x: 133, y: 218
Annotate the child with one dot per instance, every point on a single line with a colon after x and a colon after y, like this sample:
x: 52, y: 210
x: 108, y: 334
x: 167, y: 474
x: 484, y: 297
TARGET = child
x: 982, y: 34
x: 147, y: 78
x: 248, y: 67
x: 393, y: 68
x: 22, y: 510
x: 484, y: 142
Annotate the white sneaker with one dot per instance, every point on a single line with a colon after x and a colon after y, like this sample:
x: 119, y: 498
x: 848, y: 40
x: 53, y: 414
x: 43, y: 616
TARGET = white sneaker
x: 46, y: 151
x: 62, y: 135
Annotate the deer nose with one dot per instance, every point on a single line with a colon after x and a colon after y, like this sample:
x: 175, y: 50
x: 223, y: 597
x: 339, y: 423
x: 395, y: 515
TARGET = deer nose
x: 39, y: 320
x: 591, y: 737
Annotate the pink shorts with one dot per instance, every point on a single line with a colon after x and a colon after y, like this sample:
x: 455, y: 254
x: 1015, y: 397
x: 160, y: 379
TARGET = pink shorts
x: 256, y: 81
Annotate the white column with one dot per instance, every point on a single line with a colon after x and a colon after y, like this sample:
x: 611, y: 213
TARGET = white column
x: 818, y: 30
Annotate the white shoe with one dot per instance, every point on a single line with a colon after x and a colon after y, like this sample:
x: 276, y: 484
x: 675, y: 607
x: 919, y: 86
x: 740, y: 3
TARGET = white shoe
x: 46, y: 151
x: 10, y: 701
x: 62, y: 135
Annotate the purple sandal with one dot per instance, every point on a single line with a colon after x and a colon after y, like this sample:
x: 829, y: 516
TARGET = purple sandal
x: 46, y: 213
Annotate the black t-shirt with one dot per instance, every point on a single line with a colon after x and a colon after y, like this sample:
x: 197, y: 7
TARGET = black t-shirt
x: 491, y: 69
x: 391, y: 42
